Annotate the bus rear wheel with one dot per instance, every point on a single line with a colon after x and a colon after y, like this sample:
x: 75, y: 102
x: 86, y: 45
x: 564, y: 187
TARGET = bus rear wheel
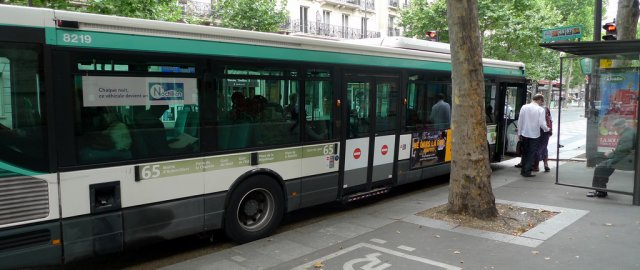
x: 255, y: 209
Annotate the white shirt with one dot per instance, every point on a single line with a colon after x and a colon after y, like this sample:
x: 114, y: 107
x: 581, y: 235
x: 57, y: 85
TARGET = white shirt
x: 531, y: 120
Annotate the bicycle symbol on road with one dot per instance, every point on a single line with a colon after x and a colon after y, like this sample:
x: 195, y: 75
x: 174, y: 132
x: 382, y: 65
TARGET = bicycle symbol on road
x: 374, y: 263
x: 380, y: 259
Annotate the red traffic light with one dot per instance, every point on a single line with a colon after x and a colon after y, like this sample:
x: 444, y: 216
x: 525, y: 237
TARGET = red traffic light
x: 610, y: 27
x: 611, y: 31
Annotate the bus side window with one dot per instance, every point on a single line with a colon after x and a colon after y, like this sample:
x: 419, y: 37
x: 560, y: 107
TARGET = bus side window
x: 107, y: 133
x: 318, y: 111
x: 257, y: 112
x: 417, y: 109
x: 22, y: 126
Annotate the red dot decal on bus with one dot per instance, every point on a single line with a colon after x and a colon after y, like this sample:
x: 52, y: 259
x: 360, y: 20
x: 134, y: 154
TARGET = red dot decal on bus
x: 356, y: 153
x: 385, y: 149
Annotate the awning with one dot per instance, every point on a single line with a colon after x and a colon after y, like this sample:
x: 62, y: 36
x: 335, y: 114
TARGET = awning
x: 589, y: 48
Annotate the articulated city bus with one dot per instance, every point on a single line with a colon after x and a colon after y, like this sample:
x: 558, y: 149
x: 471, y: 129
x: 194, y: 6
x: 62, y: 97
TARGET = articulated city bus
x: 119, y: 132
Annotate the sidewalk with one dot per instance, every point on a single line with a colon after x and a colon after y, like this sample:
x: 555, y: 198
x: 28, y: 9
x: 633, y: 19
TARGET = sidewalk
x: 588, y: 233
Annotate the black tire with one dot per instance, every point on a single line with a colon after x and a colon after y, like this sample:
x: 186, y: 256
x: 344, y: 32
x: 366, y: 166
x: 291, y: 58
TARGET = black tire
x: 255, y: 209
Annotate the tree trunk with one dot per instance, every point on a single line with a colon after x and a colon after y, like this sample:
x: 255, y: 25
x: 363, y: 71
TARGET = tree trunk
x: 470, y: 184
x: 567, y: 86
x: 627, y: 19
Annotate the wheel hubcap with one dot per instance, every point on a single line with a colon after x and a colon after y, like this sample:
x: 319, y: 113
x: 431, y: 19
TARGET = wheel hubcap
x: 256, y: 209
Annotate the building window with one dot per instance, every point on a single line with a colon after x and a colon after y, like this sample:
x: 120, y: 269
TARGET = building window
x: 345, y: 25
x: 326, y: 16
x: 363, y: 26
x: 392, y: 31
x: 304, y: 21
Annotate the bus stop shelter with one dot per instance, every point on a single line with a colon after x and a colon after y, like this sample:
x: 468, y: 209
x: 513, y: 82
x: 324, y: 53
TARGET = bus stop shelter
x: 612, y: 73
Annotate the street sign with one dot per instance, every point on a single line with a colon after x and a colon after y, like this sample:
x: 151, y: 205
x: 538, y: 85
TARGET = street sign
x: 562, y: 33
x: 357, y: 153
x: 606, y: 63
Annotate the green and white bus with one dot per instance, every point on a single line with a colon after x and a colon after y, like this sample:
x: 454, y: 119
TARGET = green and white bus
x: 119, y: 132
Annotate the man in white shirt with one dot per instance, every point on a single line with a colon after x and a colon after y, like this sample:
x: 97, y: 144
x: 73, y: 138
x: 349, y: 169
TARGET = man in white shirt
x: 530, y: 121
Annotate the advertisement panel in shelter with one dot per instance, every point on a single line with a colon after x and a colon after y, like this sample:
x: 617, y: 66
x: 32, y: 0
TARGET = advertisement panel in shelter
x: 619, y: 100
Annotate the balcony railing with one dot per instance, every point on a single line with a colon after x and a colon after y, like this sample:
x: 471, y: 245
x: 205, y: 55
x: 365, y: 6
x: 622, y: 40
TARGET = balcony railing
x: 328, y: 30
x: 196, y: 8
x: 362, y: 4
x: 394, y: 3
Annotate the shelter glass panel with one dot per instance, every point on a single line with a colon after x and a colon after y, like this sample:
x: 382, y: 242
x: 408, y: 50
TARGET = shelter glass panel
x: 597, y: 139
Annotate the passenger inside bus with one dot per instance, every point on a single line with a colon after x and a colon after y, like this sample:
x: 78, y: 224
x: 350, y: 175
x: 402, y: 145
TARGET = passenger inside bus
x: 239, y: 108
x: 293, y: 111
x: 111, y: 139
x: 150, y: 135
x: 489, y: 114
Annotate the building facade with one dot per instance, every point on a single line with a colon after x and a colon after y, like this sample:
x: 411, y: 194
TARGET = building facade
x: 333, y: 19
x: 345, y: 19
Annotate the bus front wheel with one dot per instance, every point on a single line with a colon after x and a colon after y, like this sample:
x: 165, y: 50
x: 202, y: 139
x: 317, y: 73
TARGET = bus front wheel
x: 255, y: 209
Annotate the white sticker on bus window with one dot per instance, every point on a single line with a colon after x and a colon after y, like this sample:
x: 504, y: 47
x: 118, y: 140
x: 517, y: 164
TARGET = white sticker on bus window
x: 103, y: 91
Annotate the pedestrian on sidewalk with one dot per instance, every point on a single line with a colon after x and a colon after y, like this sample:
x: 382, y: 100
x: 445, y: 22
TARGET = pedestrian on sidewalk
x: 543, y: 153
x: 531, y: 121
x: 622, y: 158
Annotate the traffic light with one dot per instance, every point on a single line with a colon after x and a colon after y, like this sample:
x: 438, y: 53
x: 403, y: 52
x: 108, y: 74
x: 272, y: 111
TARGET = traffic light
x: 432, y: 35
x: 611, y: 30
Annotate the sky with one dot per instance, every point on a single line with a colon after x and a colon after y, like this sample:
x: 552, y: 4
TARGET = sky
x: 612, y: 8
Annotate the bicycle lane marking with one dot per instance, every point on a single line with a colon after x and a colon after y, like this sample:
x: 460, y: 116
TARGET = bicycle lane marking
x: 380, y: 249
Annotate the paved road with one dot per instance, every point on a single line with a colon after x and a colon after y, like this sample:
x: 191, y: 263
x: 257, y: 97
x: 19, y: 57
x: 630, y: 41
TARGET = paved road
x: 587, y: 233
x: 572, y: 133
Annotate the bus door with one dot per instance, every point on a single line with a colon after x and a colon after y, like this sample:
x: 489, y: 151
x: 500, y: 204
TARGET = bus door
x: 514, y: 96
x: 370, y: 141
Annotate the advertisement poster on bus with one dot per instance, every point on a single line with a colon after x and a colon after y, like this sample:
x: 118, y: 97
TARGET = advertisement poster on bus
x: 619, y: 92
x: 430, y: 148
x: 103, y: 91
x: 492, y: 134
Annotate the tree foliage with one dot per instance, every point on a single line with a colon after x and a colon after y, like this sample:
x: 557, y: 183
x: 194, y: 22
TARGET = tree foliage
x: 163, y: 10
x: 511, y: 29
x: 54, y: 4
x: 255, y: 15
